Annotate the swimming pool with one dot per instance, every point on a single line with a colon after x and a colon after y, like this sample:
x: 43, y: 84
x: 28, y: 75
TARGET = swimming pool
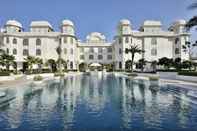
x: 100, y: 102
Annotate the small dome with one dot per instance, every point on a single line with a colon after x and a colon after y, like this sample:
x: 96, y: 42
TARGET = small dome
x: 95, y: 37
x: 67, y: 22
x: 125, y: 22
x: 14, y: 23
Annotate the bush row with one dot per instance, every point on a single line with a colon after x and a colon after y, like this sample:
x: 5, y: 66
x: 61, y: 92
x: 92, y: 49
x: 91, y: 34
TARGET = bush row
x: 187, y: 73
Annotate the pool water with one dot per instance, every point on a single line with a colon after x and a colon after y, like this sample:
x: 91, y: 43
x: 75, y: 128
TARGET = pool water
x: 102, y: 102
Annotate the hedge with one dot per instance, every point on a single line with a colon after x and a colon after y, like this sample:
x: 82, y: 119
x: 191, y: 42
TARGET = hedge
x: 187, y: 73
x: 4, y: 73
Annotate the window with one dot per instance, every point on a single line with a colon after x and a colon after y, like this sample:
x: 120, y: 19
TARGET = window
x: 92, y: 50
x: 100, y: 57
x: 82, y: 57
x: 120, y: 51
x: 126, y: 39
x: 65, y: 40
x: 176, y: 40
x: 154, y: 52
x: 120, y: 40
x: 38, y: 42
x: 71, y: 65
x: 65, y: 51
x: 109, y: 57
x: 120, y: 65
x: 38, y: 52
x: 131, y: 40
x: 81, y: 50
x: 100, y: 50
x: 71, y: 40
x: 7, y: 40
x: 25, y: 42
x: 91, y: 57
x: 14, y: 51
x: 14, y: 41
x: 25, y: 52
x: 177, y: 51
x: 109, y: 50
x: 71, y: 51
x: 154, y: 41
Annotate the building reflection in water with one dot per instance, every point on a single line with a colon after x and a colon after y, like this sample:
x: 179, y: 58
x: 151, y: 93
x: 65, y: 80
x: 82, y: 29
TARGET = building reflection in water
x: 135, y: 101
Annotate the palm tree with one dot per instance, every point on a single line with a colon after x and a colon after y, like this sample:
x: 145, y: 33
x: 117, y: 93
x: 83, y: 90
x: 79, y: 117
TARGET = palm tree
x: 59, y: 51
x: 133, y: 50
x: 30, y: 61
x: 52, y: 64
x: 142, y: 63
x: 193, y: 21
x: 39, y: 62
x: 7, y: 60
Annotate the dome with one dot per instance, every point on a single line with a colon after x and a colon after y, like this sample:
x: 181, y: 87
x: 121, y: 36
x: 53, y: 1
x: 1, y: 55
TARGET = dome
x: 125, y: 22
x: 13, y: 23
x: 67, y: 22
x: 95, y: 37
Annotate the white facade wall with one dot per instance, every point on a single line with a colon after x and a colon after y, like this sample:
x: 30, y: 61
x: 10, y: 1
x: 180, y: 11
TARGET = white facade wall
x: 165, y: 43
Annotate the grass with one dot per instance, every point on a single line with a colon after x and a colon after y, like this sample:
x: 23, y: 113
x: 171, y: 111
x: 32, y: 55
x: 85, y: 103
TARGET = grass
x: 154, y: 78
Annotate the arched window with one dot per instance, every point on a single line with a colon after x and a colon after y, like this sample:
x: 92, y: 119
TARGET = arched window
x: 91, y: 57
x: 71, y: 65
x: 71, y: 40
x: 109, y: 50
x: 153, y: 52
x: 38, y: 42
x: 65, y: 40
x: 25, y: 52
x: 131, y: 40
x: 7, y: 40
x: 120, y: 65
x: 120, y: 51
x: 71, y: 51
x: 38, y: 52
x: 177, y: 51
x: 25, y: 42
x: 100, y: 57
x: 14, y: 51
x: 126, y: 39
x: 176, y: 40
x: 14, y: 41
x: 120, y: 40
x: 154, y: 41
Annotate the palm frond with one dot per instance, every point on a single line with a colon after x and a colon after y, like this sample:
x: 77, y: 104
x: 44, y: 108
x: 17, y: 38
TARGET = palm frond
x: 193, y: 6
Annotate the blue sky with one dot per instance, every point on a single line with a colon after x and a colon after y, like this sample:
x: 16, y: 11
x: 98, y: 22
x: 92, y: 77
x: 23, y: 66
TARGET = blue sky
x: 94, y: 15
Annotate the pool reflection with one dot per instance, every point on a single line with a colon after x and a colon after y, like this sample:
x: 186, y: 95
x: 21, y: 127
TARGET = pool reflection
x: 102, y: 102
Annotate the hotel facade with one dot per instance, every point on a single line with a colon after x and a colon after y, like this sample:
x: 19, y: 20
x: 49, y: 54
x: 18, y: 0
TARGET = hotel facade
x: 42, y: 41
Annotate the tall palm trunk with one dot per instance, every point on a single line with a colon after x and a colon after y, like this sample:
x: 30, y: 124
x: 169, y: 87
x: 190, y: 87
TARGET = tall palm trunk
x: 132, y: 60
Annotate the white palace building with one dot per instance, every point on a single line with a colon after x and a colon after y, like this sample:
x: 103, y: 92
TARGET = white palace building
x: 42, y: 41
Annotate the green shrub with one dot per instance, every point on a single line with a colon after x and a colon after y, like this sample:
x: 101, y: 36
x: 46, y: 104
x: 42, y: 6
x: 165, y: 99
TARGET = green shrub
x: 132, y: 74
x: 187, y: 73
x: 59, y: 74
x: 154, y: 78
x: 4, y: 73
x: 38, y: 78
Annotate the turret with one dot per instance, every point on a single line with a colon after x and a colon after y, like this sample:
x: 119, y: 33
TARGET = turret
x: 13, y: 26
x: 124, y: 27
x: 67, y: 27
x: 178, y: 26
x: 151, y: 26
x: 40, y: 26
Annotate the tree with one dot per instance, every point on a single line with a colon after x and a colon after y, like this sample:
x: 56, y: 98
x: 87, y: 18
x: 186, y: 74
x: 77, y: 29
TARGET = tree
x: 30, y: 61
x: 142, y: 63
x: 39, y: 62
x: 128, y: 64
x: 133, y: 50
x: 177, y: 63
x: 62, y: 62
x: 154, y: 65
x: 7, y: 60
x: 166, y: 62
x: 52, y: 64
x: 59, y: 51
x: 187, y: 64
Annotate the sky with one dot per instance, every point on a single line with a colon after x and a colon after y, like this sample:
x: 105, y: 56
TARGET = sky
x: 95, y: 15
